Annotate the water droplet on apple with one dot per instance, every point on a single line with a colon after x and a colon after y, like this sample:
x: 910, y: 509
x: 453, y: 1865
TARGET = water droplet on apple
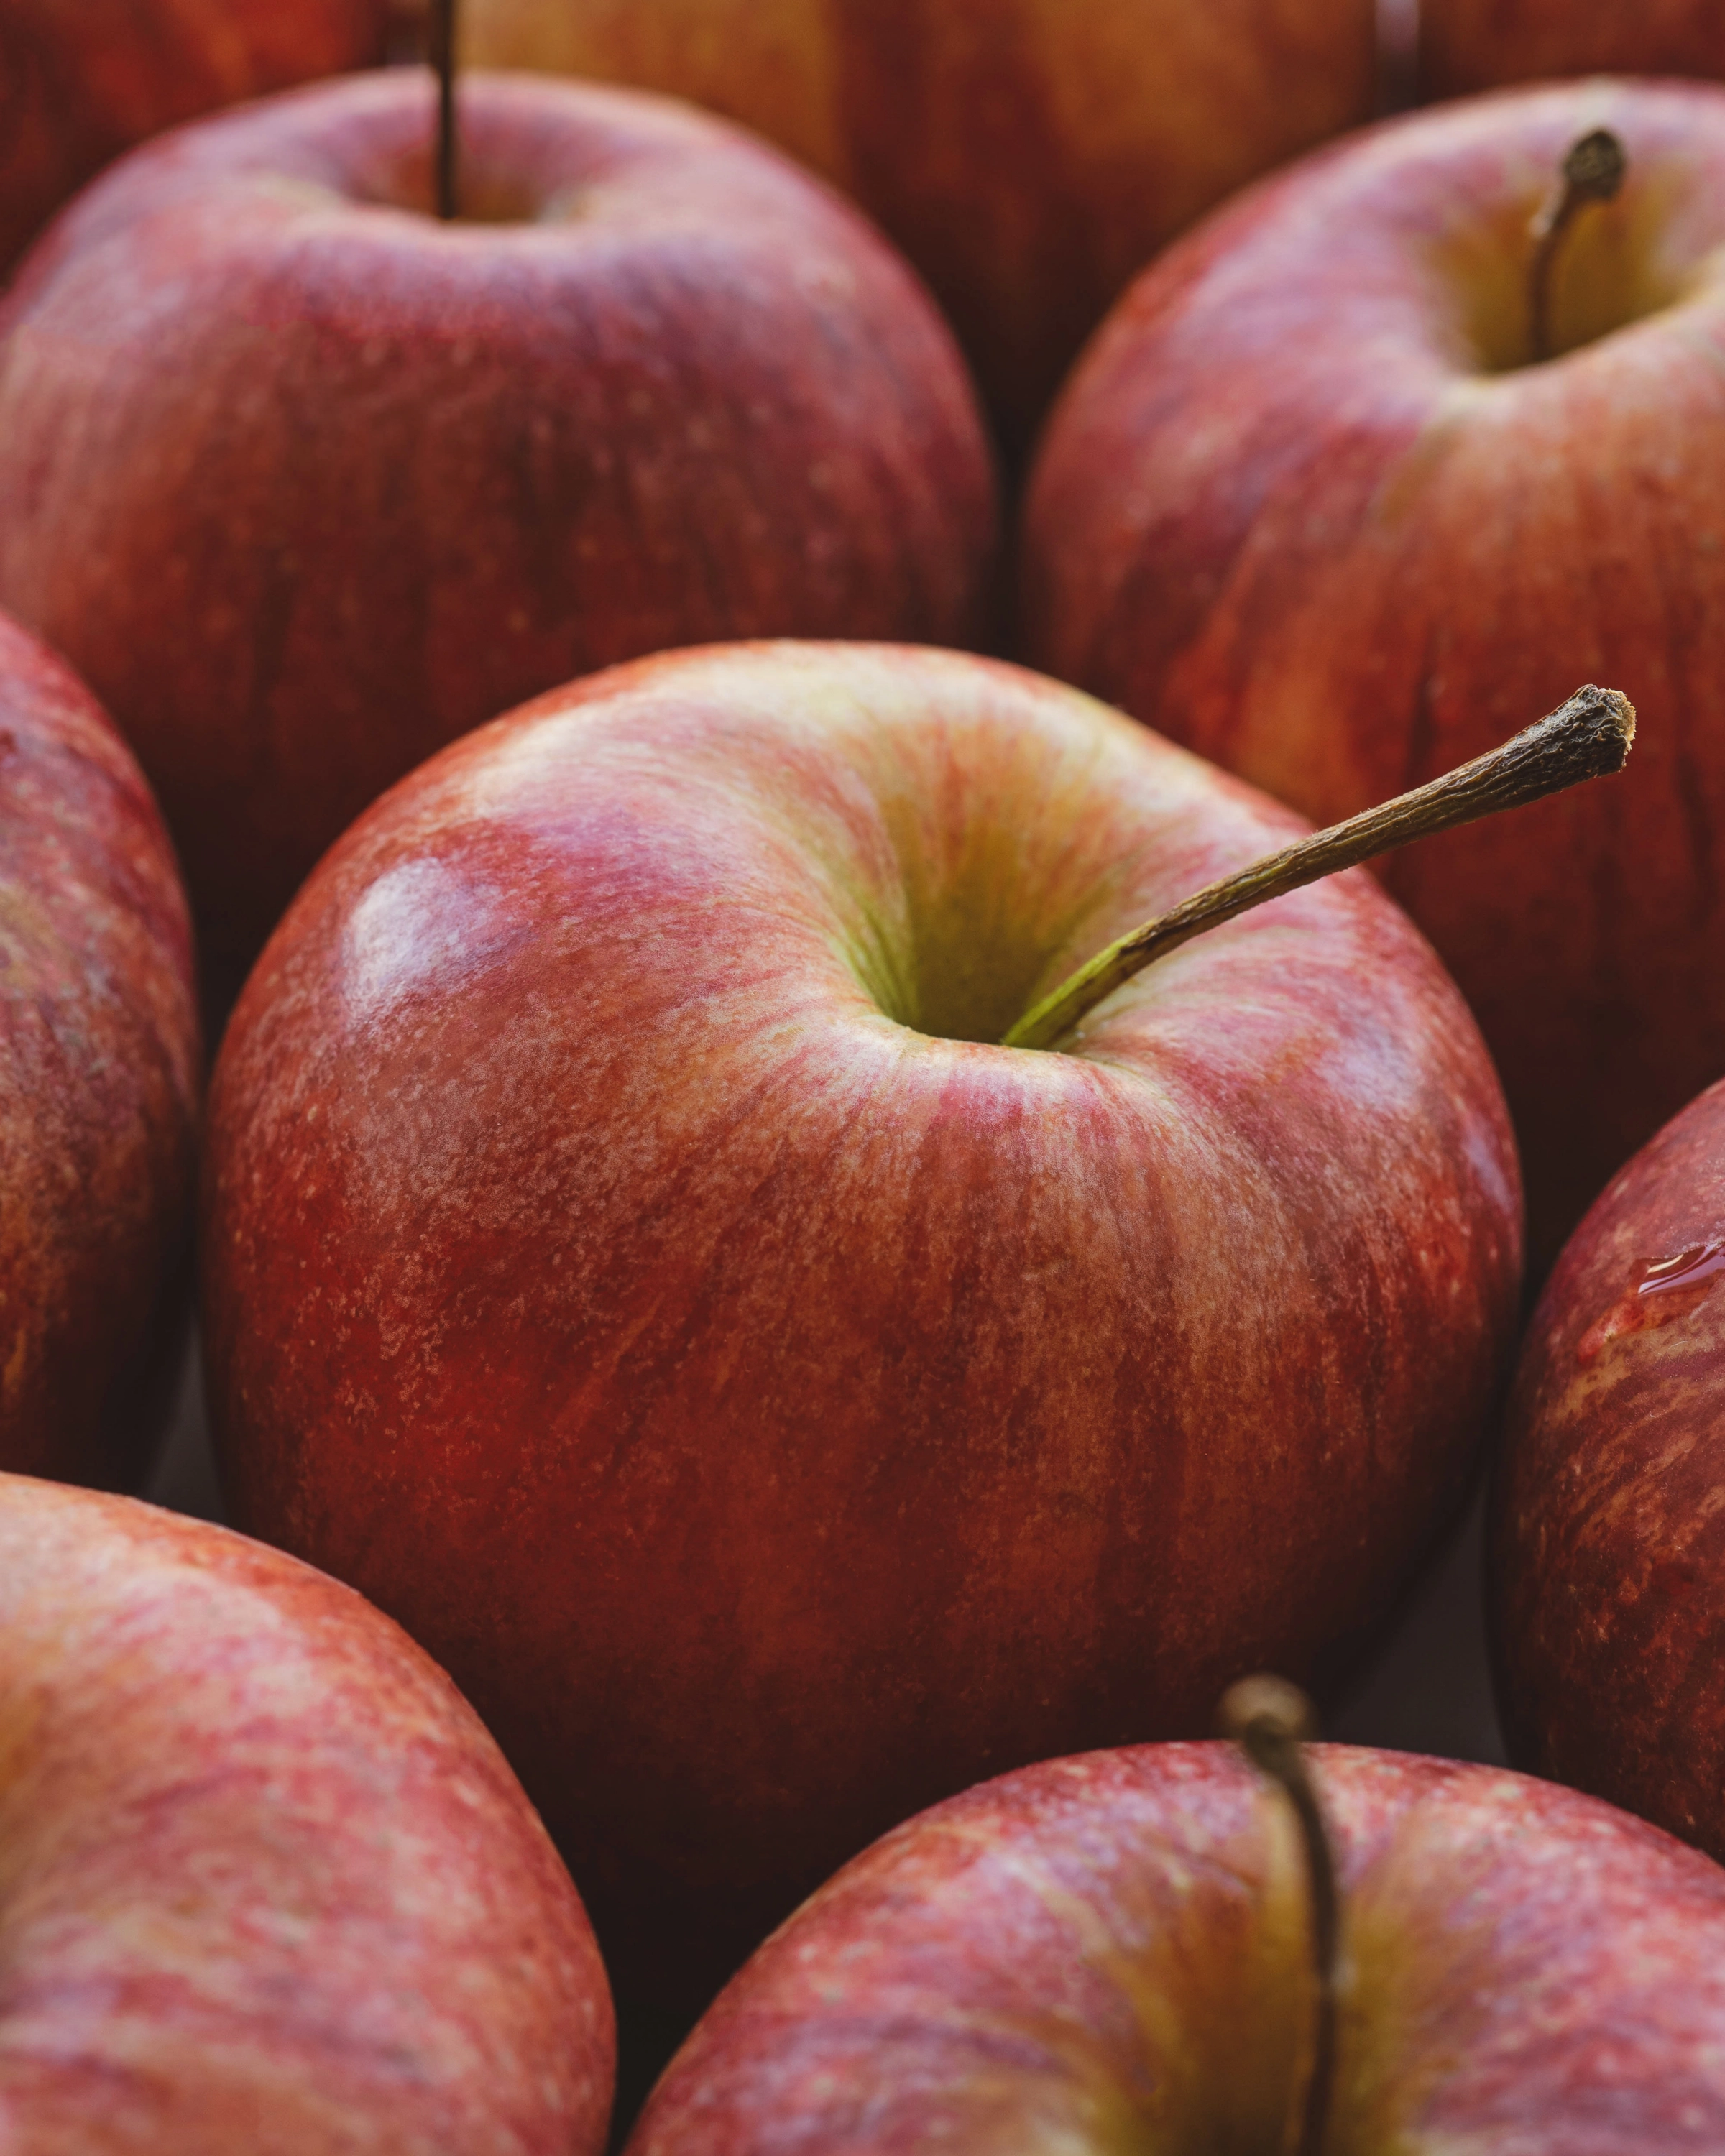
x: 1669, y: 1289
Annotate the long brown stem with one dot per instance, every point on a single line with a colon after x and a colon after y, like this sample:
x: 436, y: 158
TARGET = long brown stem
x: 1585, y: 738
x: 1593, y: 171
x: 1269, y: 1718
x: 442, y: 29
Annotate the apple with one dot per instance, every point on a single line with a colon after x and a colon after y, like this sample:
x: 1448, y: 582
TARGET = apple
x: 1608, y: 1528
x: 270, y: 1886
x: 307, y: 482
x: 1028, y: 156
x: 80, y: 80
x: 1473, y: 44
x: 1309, y: 506
x: 1111, y: 1953
x: 631, y: 1261
x: 100, y: 1067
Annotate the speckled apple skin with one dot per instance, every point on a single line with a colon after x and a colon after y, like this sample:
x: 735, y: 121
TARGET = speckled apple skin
x: 1030, y: 156
x: 773, y: 1415
x: 1608, y: 1537
x: 101, y: 1068
x: 80, y: 80
x: 269, y: 1885
x: 1282, y: 516
x: 1107, y: 1953
x: 1473, y: 44
x: 307, y: 484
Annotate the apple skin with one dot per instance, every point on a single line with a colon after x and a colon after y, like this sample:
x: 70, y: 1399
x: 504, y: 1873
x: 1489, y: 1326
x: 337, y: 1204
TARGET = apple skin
x: 1608, y: 1537
x: 774, y: 1415
x: 1028, y: 156
x: 1476, y: 44
x: 307, y: 483
x: 80, y: 80
x: 269, y: 1884
x: 1287, y: 515
x: 1108, y: 1953
x: 101, y: 1068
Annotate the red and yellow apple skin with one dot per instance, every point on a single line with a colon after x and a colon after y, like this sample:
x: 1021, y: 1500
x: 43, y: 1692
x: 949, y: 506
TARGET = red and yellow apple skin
x: 1608, y: 1533
x: 1110, y: 1954
x: 630, y: 1261
x: 270, y: 1886
x: 1476, y: 44
x: 80, y: 80
x: 1305, y: 508
x: 307, y: 483
x: 1028, y: 156
x: 100, y: 1066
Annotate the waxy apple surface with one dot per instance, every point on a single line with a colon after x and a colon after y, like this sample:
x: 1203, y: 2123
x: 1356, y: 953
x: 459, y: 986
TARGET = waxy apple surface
x: 270, y: 1886
x: 1475, y: 44
x: 1111, y: 1953
x: 1028, y: 156
x: 1307, y: 506
x: 80, y: 80
x: 100, y: 1066
x: 1608, y: 1536
x: 631, y: 1262
x: 307, y: 483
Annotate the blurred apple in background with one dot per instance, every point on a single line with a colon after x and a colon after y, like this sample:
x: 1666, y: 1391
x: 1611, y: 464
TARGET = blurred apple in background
x: 1111, y: 1953
x: 1473, y: 44
x: 630, y: 1259
x: 307, y: 483
x: 100, y: 1072
x: 80, y: 80
x: 270, y: 1886
x: 1028, y: 155
x: 1309, y: 505
x: 1608, y: 1533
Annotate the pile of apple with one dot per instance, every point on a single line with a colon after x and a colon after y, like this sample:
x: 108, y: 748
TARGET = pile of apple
x: 842, y: 1234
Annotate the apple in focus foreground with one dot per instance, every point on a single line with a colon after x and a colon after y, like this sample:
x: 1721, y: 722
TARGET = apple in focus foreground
x: 1309, y: 505
x: 1607, y: 1530
x: 80, y: 80
x: 631, y: 1262
x: 306, y: 482
x: 1028, y: 155
x: 1111, y: 1953
x: 270, y: 1886
x: 100, y: 1065
x: 1475, y: 44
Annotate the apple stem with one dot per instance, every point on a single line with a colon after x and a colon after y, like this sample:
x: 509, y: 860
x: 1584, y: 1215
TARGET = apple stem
x: 1593, y: 171
x: 1588, y: 737
x: 443, y: 56
x: 1268, y: 1718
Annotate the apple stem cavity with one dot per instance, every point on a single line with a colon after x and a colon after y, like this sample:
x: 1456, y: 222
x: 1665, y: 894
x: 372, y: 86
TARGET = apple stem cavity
x: 1592, y: 172
x: 1587, y: 737
x: 443, y: 59
x: 1270, y: 1719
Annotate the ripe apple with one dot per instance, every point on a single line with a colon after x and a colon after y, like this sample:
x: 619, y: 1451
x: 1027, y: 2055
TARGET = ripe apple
x: 1473, y: 44
x: 631, y: 1261
x: 307, y: 482
x: 100, y: 1066
x: 1308, y: 506
x: 1608, y: 1535
x: 270, y: 1886
x: 1111, y: 1953
x: 1028, y: 156
x: 80, y: 80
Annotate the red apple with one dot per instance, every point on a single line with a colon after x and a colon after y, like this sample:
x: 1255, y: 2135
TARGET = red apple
x: 99, y: 1070
x: 1028, y: 155
x: 1609, y: 1528
x: 1472, y: 44
x: 631, y: 1262
x: 1308, y: 506
x: 80, y: 80
x: 270, y: 1886
x: 1110, y: 1952
x: 307, y: 483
